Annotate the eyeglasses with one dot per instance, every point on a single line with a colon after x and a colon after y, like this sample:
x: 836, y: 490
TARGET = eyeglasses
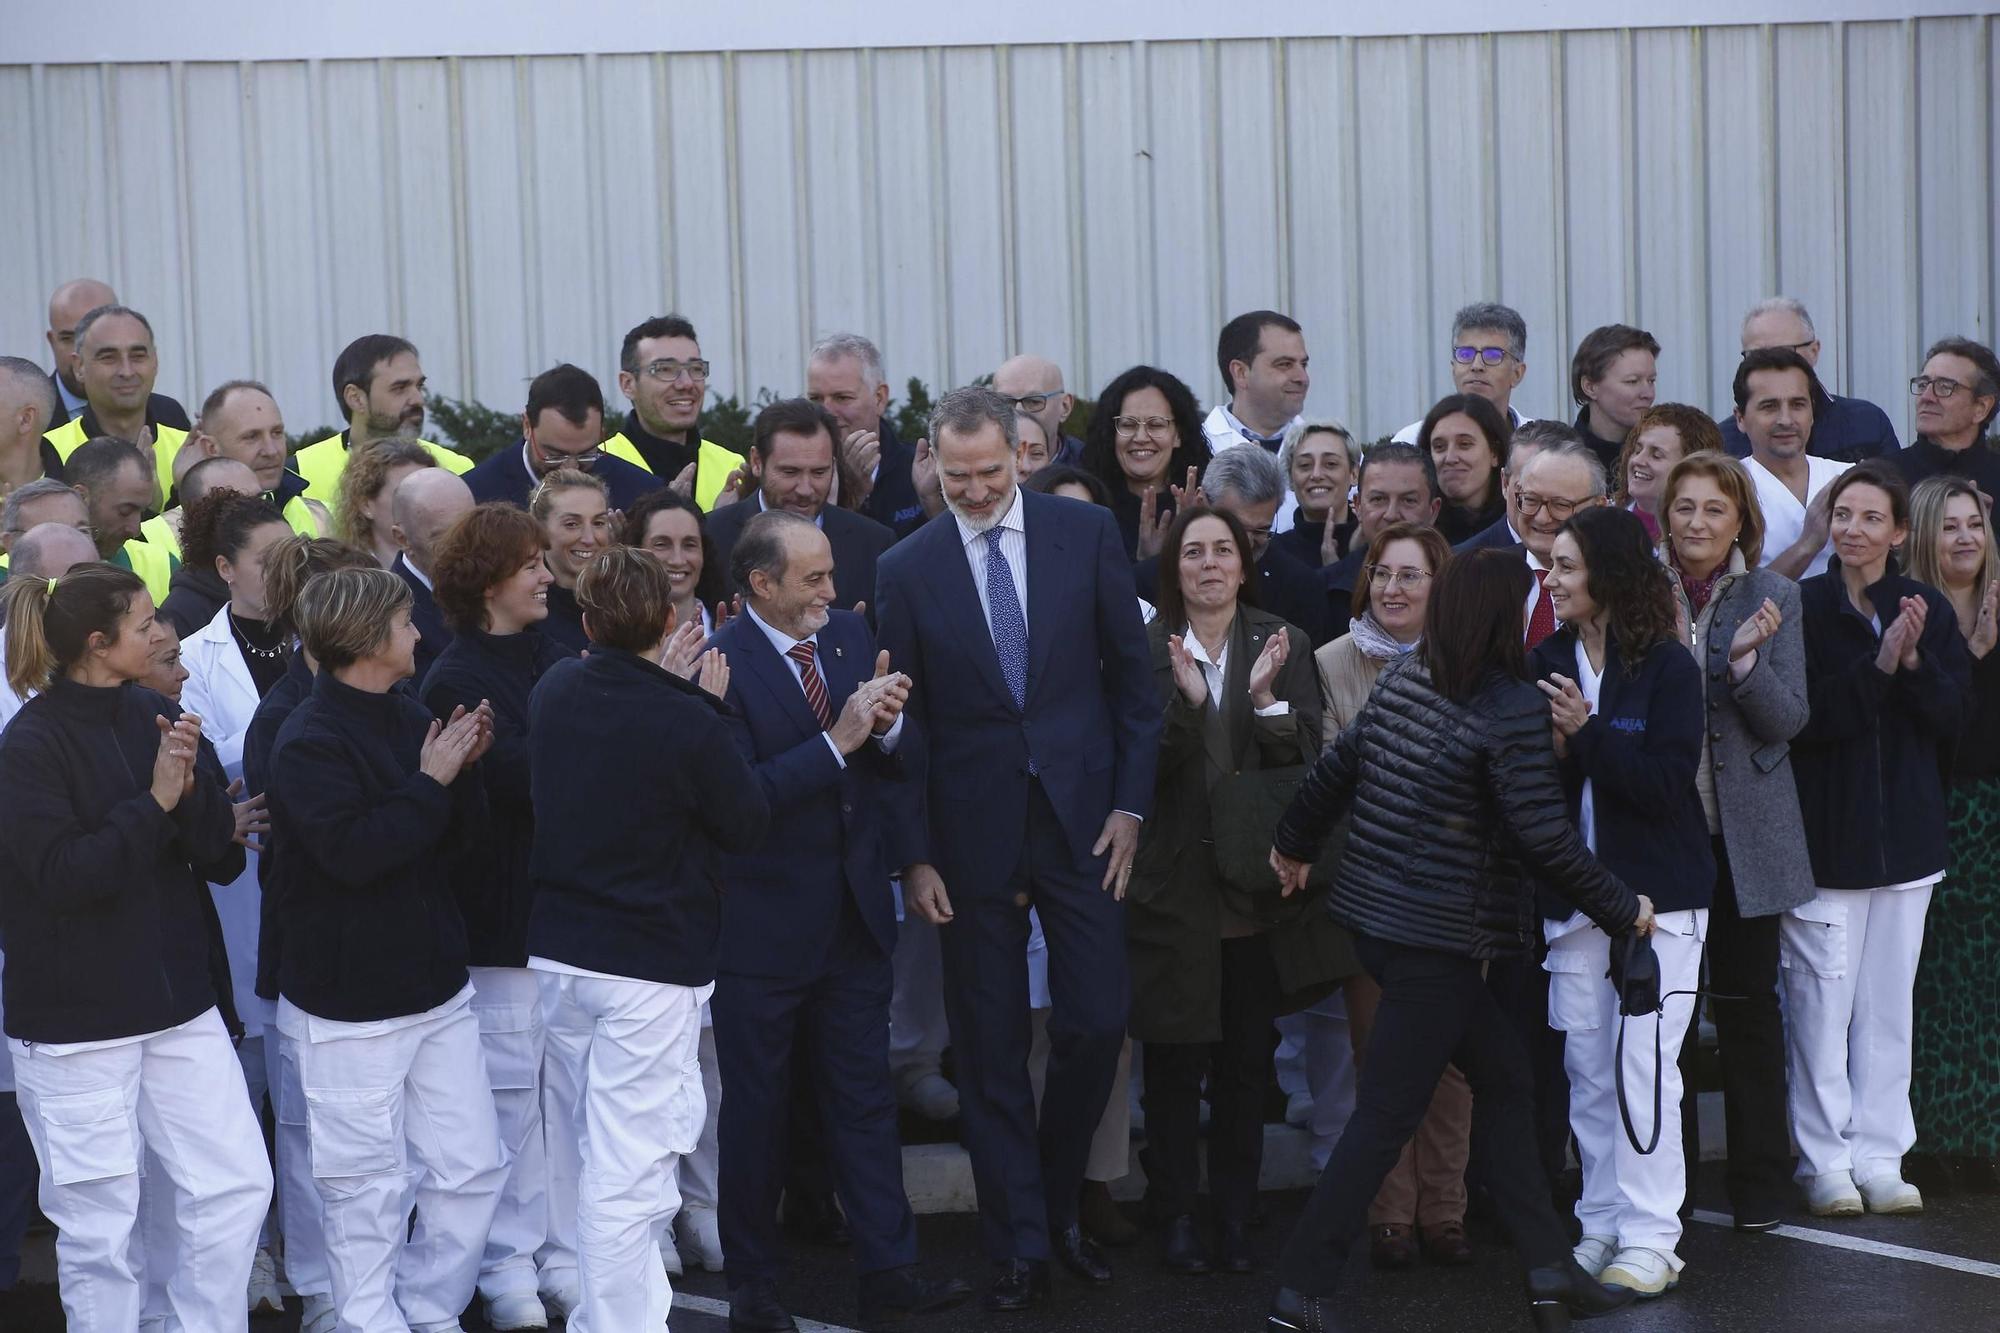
x: 1492, y: 356
x: 668, y: 371
x: 1381, y: 576
x: 1130, y: 426
x: 1938, y: 385
x: 556, y: 458
x: 1530, y: 504
x: 1032, y: 403
x: 1782, y: 347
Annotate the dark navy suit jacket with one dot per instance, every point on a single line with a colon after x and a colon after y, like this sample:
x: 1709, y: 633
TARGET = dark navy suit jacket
x: 1497, y: 536
x: 857, y: 540
x: 831, y: 831
x: 424, y: 614
x: 504, y: 476
x: 1091, y: 725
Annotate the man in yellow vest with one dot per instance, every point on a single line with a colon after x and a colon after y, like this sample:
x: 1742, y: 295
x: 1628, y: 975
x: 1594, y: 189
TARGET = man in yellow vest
x: 378, y: 380
x: 660, y: 368
x: 240, y: 420
x: 117, y: 483
x: 116, y: 362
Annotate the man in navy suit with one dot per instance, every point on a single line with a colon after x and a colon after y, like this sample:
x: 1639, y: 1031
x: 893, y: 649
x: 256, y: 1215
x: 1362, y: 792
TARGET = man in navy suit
x: 808, y: 924
x: 792, y: 461
x: 425, y: 505
x: 562, y: 426
x: 1034, y: 725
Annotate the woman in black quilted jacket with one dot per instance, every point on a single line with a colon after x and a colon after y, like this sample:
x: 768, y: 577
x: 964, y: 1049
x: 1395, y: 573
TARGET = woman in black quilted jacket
x: 1450, y: 776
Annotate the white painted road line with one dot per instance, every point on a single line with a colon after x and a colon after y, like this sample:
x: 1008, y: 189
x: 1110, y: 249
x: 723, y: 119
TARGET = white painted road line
x: 1862, y: 1245
x: 720, y: 1309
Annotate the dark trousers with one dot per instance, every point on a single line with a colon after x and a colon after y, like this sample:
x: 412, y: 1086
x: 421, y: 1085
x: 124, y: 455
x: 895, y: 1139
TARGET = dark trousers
x: 758, y: 1020
x: 1238, y: 1067
x: 1522, y: 989
x: 1028, y: 1179
x: 1750, y: 1039
x: 1435, y: 1010
x: 19, y: 1178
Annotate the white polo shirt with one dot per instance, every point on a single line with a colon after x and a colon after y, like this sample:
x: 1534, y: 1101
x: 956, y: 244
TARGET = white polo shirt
x: 1784, y: 515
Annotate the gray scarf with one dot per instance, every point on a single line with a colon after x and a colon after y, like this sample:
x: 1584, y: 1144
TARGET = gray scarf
x: 1376, y: 642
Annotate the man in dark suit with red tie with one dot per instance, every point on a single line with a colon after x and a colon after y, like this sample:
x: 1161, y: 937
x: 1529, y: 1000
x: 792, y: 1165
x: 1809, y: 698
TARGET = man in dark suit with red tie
x: 808, y: 925
x: 1034, y: 725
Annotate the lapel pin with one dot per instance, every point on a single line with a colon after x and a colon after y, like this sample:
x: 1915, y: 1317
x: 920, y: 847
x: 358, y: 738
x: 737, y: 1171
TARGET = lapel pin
x: 836, y: 652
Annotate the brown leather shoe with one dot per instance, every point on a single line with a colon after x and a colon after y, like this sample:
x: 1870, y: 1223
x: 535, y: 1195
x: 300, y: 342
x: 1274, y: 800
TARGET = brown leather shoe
x: 1101, y: 1217
x: 1392, y: 1246
x: 1446, y: 1244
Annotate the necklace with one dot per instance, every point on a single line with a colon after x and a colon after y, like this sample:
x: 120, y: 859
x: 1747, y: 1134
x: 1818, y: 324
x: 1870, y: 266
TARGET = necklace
x: 250, y: 649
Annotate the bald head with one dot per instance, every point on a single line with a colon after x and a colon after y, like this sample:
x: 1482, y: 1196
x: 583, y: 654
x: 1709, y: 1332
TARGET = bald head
x: 1029, y: 376
x: 214, y: 474
x: 427, y: 502
x: 49, y: 550
x: 70, y: 303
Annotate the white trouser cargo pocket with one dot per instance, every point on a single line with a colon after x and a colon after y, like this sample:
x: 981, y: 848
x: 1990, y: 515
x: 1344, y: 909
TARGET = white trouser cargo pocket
x: 352, y: 1132
x: 1812, y: 937
x: 90, y: 1136
x: 510, y: 1039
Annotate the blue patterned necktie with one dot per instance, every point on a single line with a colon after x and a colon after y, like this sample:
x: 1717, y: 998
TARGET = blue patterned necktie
x: 1010, y: 626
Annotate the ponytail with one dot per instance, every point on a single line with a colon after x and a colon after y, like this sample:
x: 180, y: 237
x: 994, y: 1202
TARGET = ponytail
x: 50, y: 621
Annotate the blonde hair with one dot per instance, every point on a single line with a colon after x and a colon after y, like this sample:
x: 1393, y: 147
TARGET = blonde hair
x: 543, y: 501
x: 290, y: 564
x: 50, y: 621
x: 1733, y: 480
x: 366, y: 473
x: 1920, y: 557
x: 344, y: 615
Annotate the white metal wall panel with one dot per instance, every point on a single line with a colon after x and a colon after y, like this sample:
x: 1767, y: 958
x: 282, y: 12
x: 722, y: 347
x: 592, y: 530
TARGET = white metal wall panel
x: 1100, y: 203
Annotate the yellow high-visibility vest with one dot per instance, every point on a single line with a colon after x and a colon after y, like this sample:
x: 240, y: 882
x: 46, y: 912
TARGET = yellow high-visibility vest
x: 712, y: 466
x: 322, y: 462
x: 305, y: 519
x: 167, y: 442
x: 153, y: 565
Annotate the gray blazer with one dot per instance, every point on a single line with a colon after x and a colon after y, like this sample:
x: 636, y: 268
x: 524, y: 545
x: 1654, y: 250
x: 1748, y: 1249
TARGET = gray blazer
x: 1750, y: 728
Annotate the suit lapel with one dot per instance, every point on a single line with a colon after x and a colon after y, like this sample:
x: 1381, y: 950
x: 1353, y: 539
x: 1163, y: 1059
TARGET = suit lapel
x: 1042, y: 535
x: 773, y: 673
x: 960, y: 599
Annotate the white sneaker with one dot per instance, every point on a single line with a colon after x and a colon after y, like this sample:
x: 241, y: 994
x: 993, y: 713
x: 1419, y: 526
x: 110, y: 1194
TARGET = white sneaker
x: 698, y: 1229
x: 320, y: 1315
x: 1646, y: 1272
x: 264, y: 1296
x: 512, y: 1312
x: 1299, y: 1110
x: 1833, y: 1195
x: 561, y: 1296
x: 1594, y: 1253
x: 932, y: 1097
x: 1891, y: 1194
x: 670, y: 1255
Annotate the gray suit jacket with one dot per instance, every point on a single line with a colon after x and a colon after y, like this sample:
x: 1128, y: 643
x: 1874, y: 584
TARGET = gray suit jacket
x: 1750, y: 728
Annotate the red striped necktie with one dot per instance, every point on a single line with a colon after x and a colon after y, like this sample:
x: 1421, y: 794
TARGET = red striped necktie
x: 1542, y: 621
x: 815, y: 687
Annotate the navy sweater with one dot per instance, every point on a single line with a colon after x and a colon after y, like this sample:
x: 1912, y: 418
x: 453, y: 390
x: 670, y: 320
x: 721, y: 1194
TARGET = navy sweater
x: 1872, y: 761
x: 1640, y: 751
x: 638, y: 790
x: 291, y: 690
x: 564, y: 627
x: 371, y: 927
x: 105, y: 917
x: 491, y: 877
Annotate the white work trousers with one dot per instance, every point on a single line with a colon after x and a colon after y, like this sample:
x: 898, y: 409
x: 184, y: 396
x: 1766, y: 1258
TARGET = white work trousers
x: 301, y: 1216
x: 396, y: 1111
x: 1630, y: 1196
x: 508, y: 1003
x: 630, y: 1050
x: 178, y: 1096
x: 1850, y: 964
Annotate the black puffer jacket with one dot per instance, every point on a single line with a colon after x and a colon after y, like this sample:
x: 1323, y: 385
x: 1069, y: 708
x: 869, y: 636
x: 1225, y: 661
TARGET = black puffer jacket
x: 1454, y: 806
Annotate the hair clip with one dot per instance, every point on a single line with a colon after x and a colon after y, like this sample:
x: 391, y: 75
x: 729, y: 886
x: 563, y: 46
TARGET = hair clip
x: 52, y: 585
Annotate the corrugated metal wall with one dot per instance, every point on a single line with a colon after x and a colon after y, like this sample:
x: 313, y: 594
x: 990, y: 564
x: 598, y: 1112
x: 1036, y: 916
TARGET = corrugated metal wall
x: 1102, y: 204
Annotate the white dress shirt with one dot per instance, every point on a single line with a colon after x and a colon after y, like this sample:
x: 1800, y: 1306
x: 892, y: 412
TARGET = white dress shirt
x: 1012, y: 532
x: 784, y: 643
x: 1217, y: 671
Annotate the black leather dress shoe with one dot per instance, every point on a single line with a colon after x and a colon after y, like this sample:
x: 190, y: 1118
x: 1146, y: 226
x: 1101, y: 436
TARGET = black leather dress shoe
x: 1020, y: 1283
x: 888, y: 1298
x: 1295, y: 1312
x: 1563, y: 1291
x: 813, y: 1218
x: 1232, y: 1248
x: 754, y: 1308
x: 1180, y: 1248
x: 1080, y: 1255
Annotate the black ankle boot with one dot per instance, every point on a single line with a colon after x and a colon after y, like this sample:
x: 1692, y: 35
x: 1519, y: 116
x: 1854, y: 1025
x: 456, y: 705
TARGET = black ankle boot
x: 1562, y: 1291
